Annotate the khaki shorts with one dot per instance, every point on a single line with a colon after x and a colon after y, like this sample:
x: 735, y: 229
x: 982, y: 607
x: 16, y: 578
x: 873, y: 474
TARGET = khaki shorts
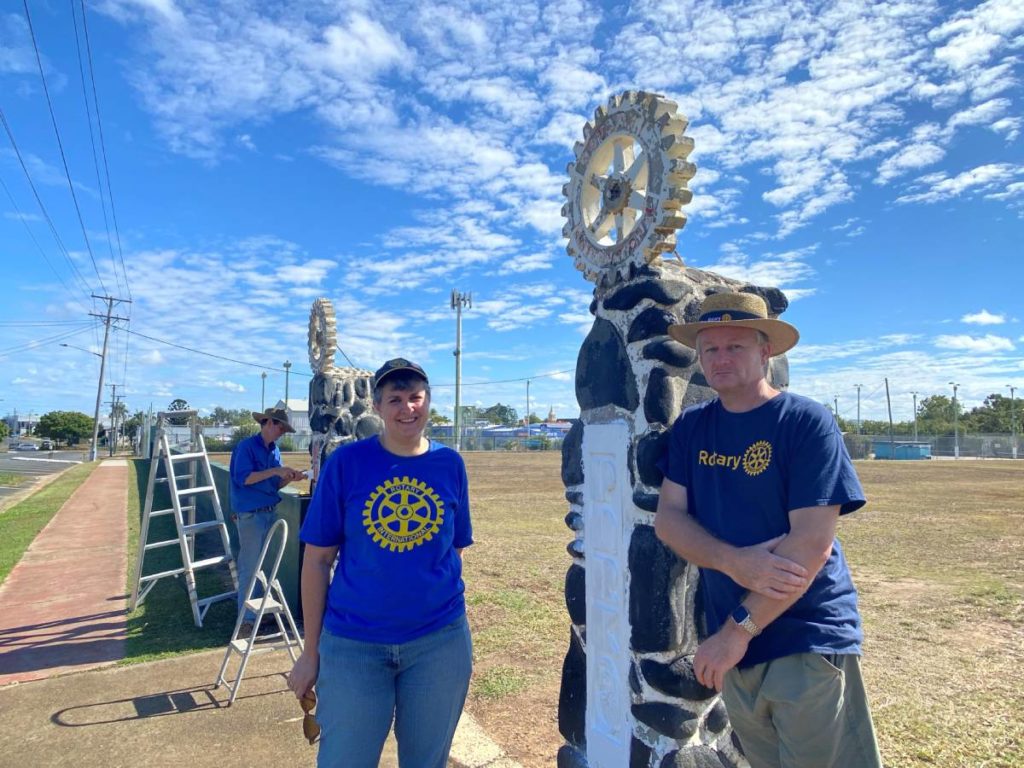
x: 802, y: 711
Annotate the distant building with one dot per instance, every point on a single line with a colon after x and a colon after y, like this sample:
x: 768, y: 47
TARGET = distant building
x: 298, y: 414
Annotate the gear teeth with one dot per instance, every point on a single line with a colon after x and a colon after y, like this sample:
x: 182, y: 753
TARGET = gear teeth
x: 658, y: 129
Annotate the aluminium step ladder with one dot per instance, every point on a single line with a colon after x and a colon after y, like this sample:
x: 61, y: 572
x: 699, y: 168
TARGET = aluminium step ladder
x: 272, y: 603
x: 184, y: 501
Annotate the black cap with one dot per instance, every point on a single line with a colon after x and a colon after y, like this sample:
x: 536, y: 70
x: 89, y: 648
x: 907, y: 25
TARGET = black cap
x: 394, y: 366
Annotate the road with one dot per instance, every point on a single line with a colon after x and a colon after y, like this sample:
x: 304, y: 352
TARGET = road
x: 35, y: 465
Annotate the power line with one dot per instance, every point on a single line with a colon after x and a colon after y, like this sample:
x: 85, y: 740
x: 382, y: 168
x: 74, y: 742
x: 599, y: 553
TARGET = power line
x: 103, y: 146
x: 39, y: 201
x: 60, y: 146
x: 92, y: 143
x: 39, y: 342
x: 309, y: 375
x: 211, y: 354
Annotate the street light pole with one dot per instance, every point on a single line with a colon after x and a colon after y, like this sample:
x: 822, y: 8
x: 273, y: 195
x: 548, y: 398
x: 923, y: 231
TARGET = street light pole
x: 458, y: 301
x: 263, y: 391
x: 836, y: 403
x: 287, y: 369
x: 527, y: 409
x: 1013, y: 420
x: 956, y: 427
x: 915, y: 415
x: 858, y: 386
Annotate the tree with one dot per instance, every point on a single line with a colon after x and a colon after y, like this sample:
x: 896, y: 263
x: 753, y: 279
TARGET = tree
x: 499, y: 414
x: 438, y: 418
x: 935, y: 415
x: 69, y: 426
x: 4, y: 430
x: 178, y: 405
x: 243, y: 431
x: 992, y: 417
x: 135, y: 421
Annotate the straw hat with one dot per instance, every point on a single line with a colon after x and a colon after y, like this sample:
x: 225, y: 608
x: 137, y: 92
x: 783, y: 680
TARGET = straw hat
x: 741, y: 310
x: 277, y: 414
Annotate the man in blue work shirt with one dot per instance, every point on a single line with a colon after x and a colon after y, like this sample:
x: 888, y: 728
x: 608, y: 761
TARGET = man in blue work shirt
x: 256, y: 477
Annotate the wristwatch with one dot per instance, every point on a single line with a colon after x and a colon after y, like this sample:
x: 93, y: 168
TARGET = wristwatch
x: 741, y: 616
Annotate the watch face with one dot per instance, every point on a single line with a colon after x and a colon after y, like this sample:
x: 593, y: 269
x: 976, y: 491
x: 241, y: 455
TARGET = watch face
x: 740, y: 614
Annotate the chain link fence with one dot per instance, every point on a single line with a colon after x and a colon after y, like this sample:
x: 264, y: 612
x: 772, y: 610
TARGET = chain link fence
x: 972, y: 446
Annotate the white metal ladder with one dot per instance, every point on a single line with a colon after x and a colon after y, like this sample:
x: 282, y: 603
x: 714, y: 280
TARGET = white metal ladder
x: 189, y: 528
x: 272, y: 603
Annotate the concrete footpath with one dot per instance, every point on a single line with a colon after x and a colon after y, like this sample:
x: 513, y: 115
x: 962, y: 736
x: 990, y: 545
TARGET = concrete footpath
x: 64, y: 700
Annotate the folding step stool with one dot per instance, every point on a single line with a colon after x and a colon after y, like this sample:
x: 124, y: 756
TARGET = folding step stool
x: 273, y: 603
x: 187, y: 529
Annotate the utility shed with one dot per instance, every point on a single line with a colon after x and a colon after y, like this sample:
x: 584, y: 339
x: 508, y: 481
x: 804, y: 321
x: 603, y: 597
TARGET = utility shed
x: 901, y: 450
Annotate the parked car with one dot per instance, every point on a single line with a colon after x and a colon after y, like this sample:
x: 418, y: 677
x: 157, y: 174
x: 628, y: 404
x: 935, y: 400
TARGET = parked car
x: 46, y: 445
x: 26, y: 447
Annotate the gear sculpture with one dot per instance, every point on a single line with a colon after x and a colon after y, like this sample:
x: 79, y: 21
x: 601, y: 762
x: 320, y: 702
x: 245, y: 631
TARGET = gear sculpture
x: 629, y: 696
x: 340, y: 399
x: 627, y: 186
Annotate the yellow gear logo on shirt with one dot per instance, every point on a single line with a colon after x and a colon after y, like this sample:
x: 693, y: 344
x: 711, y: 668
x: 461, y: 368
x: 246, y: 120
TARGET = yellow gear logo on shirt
x: 402, y: 514
x: 757, y: 458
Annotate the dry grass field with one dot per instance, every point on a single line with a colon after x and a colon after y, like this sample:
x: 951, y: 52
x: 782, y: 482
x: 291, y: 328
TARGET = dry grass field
x: 937, y: 555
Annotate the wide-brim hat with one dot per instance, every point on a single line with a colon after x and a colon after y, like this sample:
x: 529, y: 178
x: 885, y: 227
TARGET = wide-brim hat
x: 394, y: 366
x: 742, y: 310
x: 277, y: 414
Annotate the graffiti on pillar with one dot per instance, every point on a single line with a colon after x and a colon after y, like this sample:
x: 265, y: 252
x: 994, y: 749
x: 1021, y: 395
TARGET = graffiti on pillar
x: 629, y: 696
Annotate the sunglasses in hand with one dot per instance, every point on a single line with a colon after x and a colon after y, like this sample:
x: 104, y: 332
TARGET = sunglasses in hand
x: 310, y: 727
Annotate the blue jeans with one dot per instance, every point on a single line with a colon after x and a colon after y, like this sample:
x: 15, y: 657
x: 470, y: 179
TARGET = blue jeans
x: 422, y: 684
x: 253, y: 528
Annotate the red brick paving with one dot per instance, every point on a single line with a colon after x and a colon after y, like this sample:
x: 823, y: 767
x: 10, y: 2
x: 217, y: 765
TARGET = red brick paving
x: 63, y: 606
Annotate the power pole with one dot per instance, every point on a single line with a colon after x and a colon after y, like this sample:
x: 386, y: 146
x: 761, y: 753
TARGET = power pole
x: 858, y: 386
x: 1013, y: 421
x: 103, y: 364
x: 263, y: 391
x: 111, y: 435
x: 287, y: 369
x: 458, y: 301
x: 956, y: 423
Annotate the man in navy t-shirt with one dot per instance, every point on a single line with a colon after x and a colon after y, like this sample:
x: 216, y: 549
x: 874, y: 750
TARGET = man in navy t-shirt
x: 755, y: 481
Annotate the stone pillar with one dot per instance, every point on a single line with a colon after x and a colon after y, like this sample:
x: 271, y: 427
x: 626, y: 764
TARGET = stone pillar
x: 340, y: 399
x: 629, y: 696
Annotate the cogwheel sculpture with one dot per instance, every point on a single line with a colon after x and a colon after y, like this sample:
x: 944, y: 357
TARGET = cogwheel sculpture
x: 627, y: 186
x: 323, y: 336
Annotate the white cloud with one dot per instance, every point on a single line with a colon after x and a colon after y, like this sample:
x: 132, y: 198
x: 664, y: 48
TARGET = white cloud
x: 230, y: 386
x: 982, y: 344
x: 984, y: 317
x: 991, y: 178
x: 909, y: 157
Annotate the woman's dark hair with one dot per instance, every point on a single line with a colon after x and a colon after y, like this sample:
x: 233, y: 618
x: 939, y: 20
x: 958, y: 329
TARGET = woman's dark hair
x: 402, y: 381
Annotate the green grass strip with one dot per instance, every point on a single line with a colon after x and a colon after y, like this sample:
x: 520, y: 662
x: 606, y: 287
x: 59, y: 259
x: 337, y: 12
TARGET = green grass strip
x: 20, y: 524
x: 162, y: 625
x: 11, y: 479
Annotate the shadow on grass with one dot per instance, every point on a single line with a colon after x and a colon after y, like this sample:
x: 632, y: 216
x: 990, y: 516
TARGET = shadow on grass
x: 162, y: 624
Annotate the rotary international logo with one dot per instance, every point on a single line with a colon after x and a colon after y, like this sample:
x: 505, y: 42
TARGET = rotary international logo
x: 403, y: 513
x: 757, y: 458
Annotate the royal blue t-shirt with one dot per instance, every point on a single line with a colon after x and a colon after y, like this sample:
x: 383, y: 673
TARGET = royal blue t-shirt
x: 744, y: 473
x: 253, y: 455
x: 397, y: 521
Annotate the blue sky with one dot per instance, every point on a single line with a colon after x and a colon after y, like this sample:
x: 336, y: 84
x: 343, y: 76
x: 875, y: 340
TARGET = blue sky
x: 864, y: 157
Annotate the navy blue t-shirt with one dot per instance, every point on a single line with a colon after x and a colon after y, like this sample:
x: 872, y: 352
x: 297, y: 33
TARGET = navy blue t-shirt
x: 397, y: 521
x: 744, y: 473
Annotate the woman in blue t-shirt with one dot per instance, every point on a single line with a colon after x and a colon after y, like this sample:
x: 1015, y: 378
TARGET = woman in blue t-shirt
x: 387, y: 637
